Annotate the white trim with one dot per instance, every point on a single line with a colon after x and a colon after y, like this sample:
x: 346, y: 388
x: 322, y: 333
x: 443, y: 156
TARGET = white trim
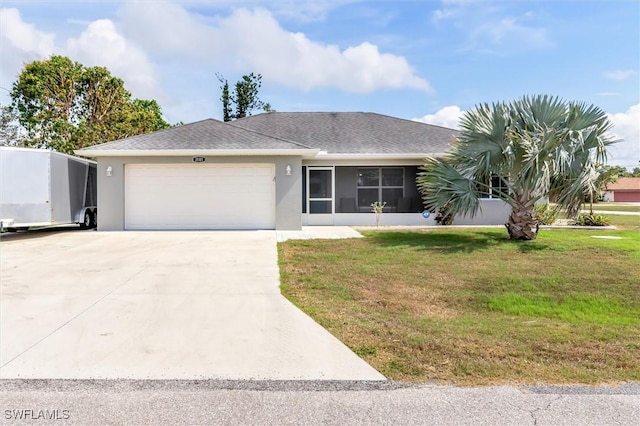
x: 88, y: 152
x: 364, y: 163
x: 321, y: 218
x: 323, y: 155
x: 386, y: 219
x: 314, y: 154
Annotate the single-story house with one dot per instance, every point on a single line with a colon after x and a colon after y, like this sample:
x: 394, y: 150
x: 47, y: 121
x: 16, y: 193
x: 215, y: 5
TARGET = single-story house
x: 625, y: 189
x: 274, y: 170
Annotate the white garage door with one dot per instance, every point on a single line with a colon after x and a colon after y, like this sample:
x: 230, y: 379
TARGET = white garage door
x: 198, y: 196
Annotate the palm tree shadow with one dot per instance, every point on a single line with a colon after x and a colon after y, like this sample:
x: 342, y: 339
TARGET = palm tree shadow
x: 442, y: 241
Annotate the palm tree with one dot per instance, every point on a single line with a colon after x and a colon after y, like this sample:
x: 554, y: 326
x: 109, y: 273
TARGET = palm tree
x: 541, y: 146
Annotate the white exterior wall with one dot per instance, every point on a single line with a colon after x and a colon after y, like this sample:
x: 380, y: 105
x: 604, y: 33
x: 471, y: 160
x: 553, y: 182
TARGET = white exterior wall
x: 492, y: 212
x: 369, y: 219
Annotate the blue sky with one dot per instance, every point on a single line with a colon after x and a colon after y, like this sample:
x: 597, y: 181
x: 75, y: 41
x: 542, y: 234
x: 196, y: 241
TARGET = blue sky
x: 425, y: 60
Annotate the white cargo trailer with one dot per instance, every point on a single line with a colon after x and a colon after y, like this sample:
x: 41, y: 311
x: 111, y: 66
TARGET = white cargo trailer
x: 40, y: 187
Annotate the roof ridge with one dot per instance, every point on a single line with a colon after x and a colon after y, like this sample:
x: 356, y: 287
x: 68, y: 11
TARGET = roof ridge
x: 410, y: 120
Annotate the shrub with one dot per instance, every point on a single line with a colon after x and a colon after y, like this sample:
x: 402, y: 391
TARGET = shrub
x: 545, y: 214
x: 377, y: 207
x: 586, y: 219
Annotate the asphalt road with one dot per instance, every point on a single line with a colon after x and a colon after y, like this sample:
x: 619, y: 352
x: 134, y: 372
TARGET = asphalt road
x: 156, y: 402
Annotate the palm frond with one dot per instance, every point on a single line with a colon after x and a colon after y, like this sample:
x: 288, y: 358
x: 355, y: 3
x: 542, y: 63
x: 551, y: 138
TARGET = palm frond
x: 444, y: 187
x: 545, y: 145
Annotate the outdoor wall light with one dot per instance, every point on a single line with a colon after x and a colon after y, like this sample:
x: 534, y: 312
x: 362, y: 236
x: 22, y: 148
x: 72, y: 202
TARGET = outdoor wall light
x: 288, y: 169
x: 109, y: 171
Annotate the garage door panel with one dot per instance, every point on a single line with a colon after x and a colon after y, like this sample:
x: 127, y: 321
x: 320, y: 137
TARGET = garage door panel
x: 629, y: 197
x: 199, y: 196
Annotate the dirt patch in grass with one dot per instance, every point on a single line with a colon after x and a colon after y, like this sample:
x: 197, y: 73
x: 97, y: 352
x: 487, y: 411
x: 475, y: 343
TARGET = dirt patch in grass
x: 470, y: 307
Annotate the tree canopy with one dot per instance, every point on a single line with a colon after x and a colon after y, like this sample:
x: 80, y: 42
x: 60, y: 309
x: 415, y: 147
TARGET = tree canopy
x: 9, y: 134
x: 537, y: 147
x: 63, y: 105
x: 243, y: 100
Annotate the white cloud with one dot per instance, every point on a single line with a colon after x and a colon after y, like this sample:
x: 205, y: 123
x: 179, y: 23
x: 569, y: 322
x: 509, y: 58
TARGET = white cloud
x: 486, y: 26
x: 300, y: 11
x: 626, y: 125
x: 291, y: 59
x: 448, y: 116
x: 507, y: 30
x: 23, y: 36
x: 305, y: 10
x: 620, y: 74
x: 102, y: 45
x: 20, y: 42
x: 452, y: 9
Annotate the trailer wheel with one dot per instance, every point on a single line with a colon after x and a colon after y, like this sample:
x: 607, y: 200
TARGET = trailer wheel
x: 94, y: 219
x: 87, y: 220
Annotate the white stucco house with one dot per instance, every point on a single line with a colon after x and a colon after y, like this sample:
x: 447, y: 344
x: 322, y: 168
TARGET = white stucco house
x: 274, y: 170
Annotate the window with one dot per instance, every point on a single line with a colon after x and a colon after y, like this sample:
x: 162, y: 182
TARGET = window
x: 497, y: 185
x: 385, y: 184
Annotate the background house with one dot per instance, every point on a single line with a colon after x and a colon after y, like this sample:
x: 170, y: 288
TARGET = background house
x: 625, y: 189
x: 272, y: 171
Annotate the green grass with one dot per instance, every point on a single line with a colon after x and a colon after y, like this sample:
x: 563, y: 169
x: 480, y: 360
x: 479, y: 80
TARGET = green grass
x: 625, y: 222
x: 614, y: 207
x: 469, y: 306
x: 575, y: 308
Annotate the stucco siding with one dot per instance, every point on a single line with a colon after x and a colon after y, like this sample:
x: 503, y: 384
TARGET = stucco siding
x: 492, y: 212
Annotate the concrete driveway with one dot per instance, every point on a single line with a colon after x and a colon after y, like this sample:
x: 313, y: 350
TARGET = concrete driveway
x: 157, y: 305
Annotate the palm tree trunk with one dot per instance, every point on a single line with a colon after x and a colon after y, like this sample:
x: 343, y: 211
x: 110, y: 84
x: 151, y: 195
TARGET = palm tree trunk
x: 522, y: 224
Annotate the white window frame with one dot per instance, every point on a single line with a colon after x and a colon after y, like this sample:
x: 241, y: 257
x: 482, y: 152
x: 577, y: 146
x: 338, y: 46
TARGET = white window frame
x: 488, y: 195
x: 333, y: 189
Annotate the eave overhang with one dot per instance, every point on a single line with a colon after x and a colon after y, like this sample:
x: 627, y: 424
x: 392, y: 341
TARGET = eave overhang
x: 88, y: 152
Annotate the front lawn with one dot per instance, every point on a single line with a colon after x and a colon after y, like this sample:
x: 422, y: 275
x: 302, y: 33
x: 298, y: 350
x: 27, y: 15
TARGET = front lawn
x: 613, y: 207
x: 470, y: 307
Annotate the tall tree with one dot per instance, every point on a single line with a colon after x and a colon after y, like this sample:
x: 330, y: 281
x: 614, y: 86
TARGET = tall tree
x: 244, y: 97
x: 9, y: 133
x: 608, y: 174
x: 227, y: 110
x: 541, y: 146
x: 63, y: 105
x: 45, y: 97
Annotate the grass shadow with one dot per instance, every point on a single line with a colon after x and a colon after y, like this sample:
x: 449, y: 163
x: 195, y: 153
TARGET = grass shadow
x: 453, y: 241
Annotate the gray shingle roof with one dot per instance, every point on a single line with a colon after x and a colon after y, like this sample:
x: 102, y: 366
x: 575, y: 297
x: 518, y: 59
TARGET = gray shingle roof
x: 353, y: 132
x: 205, y: 134
x: 333, y: 132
